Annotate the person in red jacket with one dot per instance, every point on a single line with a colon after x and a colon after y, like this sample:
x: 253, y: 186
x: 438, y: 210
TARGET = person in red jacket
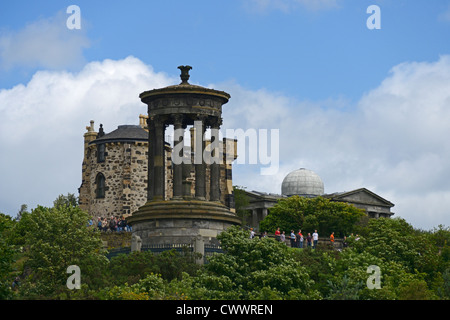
x: 300, y: 236
x: 277, y: 234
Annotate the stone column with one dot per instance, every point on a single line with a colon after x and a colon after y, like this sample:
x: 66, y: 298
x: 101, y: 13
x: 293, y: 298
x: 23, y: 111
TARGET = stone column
x: 186, y: 183
x: 214, y: 191
x: 158, y: 160
x: 178, y: 168
x: 151, y: 155
x: 255, y: 218
x: 199, y: 162
x: 264, y: 213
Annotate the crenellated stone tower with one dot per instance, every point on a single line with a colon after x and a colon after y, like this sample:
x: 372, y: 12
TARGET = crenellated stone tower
x: 114, y: 173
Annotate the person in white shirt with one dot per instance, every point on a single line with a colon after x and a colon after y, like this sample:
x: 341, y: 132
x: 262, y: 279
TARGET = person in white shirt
x: 315, y: 238
x: 292, y: 239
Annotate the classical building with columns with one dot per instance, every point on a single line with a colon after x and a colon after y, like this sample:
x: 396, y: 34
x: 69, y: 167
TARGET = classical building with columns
x: 306, y: 183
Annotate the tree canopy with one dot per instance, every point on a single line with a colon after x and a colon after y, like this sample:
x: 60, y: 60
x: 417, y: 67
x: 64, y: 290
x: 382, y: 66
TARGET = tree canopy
x: 413, y: 264
x: 52, y: 239
x: 240, y: 202
x: 317, y: 213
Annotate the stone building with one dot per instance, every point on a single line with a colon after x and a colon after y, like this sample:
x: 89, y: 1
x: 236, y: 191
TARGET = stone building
x: 306, y: 183
x: 115, y: 171
x: 374, y: 205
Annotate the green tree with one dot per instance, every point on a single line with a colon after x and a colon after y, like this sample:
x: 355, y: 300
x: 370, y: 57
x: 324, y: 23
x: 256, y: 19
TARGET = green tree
x: 344, y: 289
x: 53, y: 239
x: 348, y: 275
x: 440, y: 238
x: 23, y: 210
x: 396, y: 240
x: 250, y: 269
x: 66, y: 201
x: 415, y: 290
x: 415, y: 256
x: 150, y: 287
x: 240, y: 202
x: 7, y: 256
x: 319, y: 213
x: 131, y: 268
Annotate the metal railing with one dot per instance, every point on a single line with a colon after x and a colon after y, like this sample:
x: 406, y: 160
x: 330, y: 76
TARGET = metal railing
x: 209, y: 249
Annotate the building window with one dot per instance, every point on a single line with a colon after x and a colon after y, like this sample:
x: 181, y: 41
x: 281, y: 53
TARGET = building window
x: 100, y: 182
x: 101, y: 152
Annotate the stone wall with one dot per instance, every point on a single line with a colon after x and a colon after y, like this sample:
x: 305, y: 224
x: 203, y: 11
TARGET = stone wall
x: 116, y: 239
x: 126, y: 173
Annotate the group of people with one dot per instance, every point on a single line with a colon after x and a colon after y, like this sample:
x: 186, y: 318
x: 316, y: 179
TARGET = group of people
x: 113, y: 224
x: 298, y: 240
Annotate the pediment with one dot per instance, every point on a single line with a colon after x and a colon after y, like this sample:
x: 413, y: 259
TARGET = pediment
x: 361, y: 196
x: 261, y: 199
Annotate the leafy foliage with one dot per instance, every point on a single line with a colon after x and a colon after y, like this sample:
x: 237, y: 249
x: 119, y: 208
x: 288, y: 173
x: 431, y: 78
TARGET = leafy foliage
x: 7, y: 256
x: 133, y: 267
x: 413, y: 264
x: 253, y: 268
x: 66, y: 201
x: 319, y: 213
x: 240, y: 202
x: 53, y: 239
x: 395, y: 240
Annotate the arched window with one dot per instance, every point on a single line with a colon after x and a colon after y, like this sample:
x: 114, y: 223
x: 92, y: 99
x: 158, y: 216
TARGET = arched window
x: 101, y: 152
x: 100, y: 182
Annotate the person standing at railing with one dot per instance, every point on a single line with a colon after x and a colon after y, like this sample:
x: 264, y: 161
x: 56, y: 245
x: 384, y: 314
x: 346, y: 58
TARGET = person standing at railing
x: 300, y: 240
x: 308, y: 240
x: 315, y: 238
x: 292, y: 237
x: 277, y: 234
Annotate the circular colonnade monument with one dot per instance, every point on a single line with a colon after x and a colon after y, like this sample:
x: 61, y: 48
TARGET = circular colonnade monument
x: 184, y: 217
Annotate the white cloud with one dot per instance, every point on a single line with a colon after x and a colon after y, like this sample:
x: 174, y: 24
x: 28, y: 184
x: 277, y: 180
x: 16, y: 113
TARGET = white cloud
x: 407, y: 118
x: 43, y: 122
x: 46, y: 43
x: 393, y: 142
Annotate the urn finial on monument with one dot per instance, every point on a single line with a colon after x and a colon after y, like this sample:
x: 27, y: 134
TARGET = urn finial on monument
x: 184, y: 74
x: 174, y: 213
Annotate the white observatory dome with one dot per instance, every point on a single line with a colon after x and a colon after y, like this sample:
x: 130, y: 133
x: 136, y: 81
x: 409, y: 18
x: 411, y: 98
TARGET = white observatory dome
x: 302, y: 182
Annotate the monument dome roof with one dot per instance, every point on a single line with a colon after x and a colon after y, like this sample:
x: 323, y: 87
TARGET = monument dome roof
x: 302, y: 182
x: 183, y: 88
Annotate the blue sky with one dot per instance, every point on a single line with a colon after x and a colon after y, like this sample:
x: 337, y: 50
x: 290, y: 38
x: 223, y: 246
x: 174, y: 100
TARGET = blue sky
x: 348, y: 101
x: 304, y: 52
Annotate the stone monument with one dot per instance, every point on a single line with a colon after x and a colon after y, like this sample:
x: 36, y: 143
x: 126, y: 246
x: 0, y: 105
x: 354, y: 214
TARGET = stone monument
x: 184, y: 217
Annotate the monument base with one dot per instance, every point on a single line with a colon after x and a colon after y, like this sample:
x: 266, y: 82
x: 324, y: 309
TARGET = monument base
x: 181, y: 221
